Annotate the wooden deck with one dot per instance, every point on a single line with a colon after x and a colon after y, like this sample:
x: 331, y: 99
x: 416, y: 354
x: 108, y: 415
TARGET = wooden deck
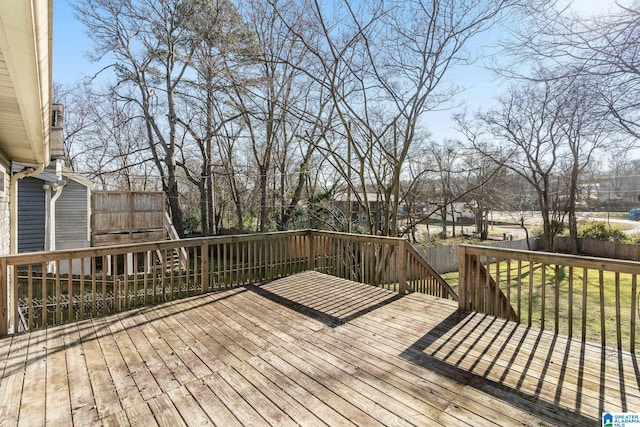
x: 309, y: 349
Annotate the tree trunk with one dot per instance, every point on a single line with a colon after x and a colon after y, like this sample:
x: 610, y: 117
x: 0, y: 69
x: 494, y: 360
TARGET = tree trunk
x: 263, y: 201
x: 171, y: 190
x: 203, y: 207
x: 210, y: 213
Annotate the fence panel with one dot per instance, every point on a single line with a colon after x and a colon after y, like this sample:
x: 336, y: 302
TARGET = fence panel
x: 444, y: 258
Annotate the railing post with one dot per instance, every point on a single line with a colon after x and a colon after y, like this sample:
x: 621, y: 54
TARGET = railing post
x: 310, y: 251
x: 401, y: 267
x: 462, y: 277
x: 4, y: 307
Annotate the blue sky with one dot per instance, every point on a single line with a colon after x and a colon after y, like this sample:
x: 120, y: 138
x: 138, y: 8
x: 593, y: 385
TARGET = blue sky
x: 71, y: 44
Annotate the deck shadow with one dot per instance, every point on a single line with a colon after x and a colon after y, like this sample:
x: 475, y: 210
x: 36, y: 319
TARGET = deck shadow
x: 325, y: 317
x: 449, y: 335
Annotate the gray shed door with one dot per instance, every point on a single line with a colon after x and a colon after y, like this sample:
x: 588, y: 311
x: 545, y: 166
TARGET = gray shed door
x: 31, y: 215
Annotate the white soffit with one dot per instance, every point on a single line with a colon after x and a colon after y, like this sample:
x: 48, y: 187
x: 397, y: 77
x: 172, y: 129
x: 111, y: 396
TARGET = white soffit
x: 25, y: 79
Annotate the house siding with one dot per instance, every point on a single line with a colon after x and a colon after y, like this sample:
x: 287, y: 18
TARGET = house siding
x: 31, y: 215
x: 72, y: 217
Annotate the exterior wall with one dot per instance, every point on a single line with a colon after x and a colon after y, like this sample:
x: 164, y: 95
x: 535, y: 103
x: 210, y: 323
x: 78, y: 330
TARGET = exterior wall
x: 72, y: 217
x: 5, y: 212
x: 72, y: 223
x: 31, y: 215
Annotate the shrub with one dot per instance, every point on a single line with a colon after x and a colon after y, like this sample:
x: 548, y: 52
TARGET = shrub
x: 557, y: 228
x: 601, y: 231
x: 191, y: 221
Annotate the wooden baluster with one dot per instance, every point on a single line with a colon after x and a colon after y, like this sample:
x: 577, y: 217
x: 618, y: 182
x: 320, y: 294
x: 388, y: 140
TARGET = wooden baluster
x: 116, y: 293
x: 154, y: 274
x: 584, y: 304
x: 225, y: 264
x: 530, y: 302
x: 145, y: 276
x: 556, y: 303
x: 634, y: 293
x: 618, y: 311
x: 509, y: 289
x: 498, y: 306
x: 478, y: 291
x: 487, y: 287
x: 204, y: 269
x: 544, y: 294
x: 602, y: 314
x: 463, y: 278
x: 82, y: 289
x: 94, y: 287
x: 245, y: 259
x: 519, y: 291
x: 58, y: 295
x: 187, y: 268
x: 402, y: 266
x: 570, y: 302
x: 169, y: 253
x: 181, y: 260
x: 30, y: 297
x: 204, y: 266
x: 70, y: 290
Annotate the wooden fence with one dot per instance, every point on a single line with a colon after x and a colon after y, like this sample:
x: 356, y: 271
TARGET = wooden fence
x: 444, y: 258
x: 600, y: 248
x: 595, y: 299
x: 121, y: 217
x: 116, y: 278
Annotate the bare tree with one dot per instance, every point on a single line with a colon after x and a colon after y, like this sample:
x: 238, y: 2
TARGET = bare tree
x: 220, y: 39
x: 483, y: 182
x: 600, y: 49
x: 445, y: 156
x: 105, y: 140
x: 586, y: 133
x: 619, y: 180
x: 386, y: 65
x: 116, y: 149
x: 78, y: 122
x: 278, y: 108
x: 517, y: 200
x: 550, y: 132
x: 151, y: 47
x: 525, y: 124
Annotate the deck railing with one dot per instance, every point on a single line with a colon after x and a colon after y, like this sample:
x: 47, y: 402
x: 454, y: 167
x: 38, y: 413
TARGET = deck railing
x: 388, y: 262
x: 594, y: 299
x: 47, y: 288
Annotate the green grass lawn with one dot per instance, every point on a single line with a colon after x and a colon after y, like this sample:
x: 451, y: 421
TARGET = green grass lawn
x: 531, y: 307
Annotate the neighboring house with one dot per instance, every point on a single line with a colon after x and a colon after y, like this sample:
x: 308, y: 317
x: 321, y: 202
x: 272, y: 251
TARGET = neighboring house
x: 25, y: 102
x: 342, y: 201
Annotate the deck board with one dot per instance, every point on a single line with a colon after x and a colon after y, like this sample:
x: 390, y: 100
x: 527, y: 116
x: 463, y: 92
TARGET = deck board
x: 309, y: 349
